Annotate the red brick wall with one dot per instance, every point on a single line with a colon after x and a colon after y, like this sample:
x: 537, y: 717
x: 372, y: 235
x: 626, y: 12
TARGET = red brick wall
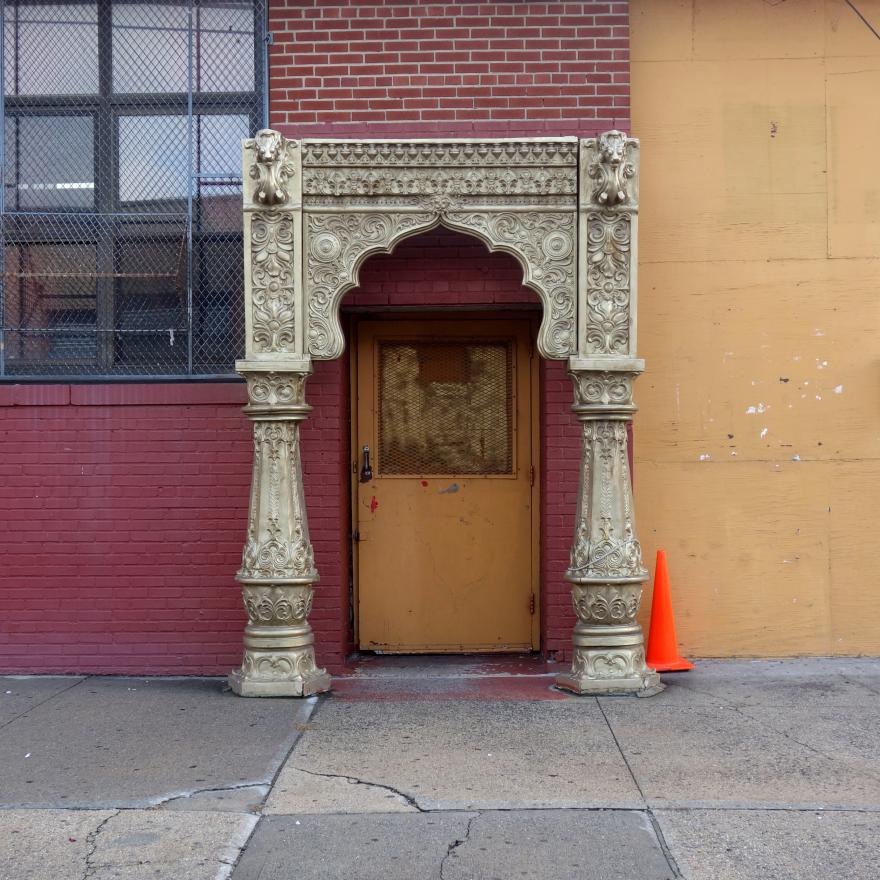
x: 122, y: 511
x: 515, y: 68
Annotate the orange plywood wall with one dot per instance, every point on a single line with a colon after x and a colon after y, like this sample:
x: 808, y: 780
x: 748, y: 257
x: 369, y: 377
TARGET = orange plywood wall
x: 758, y: 440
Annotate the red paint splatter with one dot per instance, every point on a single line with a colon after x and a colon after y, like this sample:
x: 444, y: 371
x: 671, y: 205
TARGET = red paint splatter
x: 424, y: 482
x: 373, y: 504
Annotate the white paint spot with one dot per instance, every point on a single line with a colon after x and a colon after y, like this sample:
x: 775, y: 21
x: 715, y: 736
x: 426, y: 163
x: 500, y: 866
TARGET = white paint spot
x: 754, y: 382
x: 819, y: 332
x: 820, y: 365
x: 733, y: 452
x: 795, y: 458
x: 705, y: 456
x: 838, y: 389
x: 797, y: 357
x: 751, y: 411
x: 818, y: 397
x: 763, y: 432
x: 760, y: 408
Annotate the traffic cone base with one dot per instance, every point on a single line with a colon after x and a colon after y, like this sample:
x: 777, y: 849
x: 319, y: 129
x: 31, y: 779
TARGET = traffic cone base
x: 680, y: 665
x: 662, y: 645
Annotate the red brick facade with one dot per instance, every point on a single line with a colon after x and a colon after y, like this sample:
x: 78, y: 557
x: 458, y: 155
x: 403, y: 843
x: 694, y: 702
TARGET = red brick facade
x: 501, y: 69
x: 122, y: 507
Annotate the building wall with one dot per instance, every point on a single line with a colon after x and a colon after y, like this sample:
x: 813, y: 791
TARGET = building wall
x: 758, y: 441
x: 396, y: 66
x: 123, y: 507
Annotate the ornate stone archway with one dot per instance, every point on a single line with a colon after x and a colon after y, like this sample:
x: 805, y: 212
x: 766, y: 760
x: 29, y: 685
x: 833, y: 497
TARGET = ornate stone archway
x: 314, y: 210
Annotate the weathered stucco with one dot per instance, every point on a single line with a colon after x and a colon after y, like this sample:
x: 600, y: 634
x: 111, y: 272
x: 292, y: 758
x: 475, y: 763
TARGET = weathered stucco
x: 758, y: 441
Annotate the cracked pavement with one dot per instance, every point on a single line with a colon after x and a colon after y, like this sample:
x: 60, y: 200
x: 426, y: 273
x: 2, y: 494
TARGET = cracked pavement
x: 740, y: 770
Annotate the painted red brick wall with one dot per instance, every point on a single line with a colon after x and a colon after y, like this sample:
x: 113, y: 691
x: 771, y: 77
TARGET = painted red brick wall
x: 121, y: 522
x: 514, y: 68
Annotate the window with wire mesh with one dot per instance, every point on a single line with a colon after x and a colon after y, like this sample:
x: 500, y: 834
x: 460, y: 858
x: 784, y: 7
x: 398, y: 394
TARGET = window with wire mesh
x: 445, y: 408
x: 121, y: 214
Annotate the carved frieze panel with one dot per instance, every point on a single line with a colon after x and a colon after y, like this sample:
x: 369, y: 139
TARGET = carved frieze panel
x: 271, y: 389
x: 606, y: 603
x: 517, y: 196
x: 604, y: 388
x: 273, y: 295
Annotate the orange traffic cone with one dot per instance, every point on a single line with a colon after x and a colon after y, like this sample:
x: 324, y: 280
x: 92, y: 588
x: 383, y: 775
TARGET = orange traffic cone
x: 662, y: 644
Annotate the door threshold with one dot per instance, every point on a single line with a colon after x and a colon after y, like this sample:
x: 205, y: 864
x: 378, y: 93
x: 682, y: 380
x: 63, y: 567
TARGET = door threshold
x: 371, y: 665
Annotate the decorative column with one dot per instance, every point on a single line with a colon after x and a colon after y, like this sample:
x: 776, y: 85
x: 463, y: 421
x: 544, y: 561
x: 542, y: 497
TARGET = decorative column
x: 606, y: 571
x: 277, y: 571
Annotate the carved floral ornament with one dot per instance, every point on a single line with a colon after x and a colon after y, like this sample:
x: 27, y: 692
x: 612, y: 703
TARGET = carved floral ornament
x: 519, y: 196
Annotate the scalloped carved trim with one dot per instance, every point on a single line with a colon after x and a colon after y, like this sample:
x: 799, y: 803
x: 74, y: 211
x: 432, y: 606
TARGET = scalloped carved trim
x: 544, y: 245
x: 336, y: 246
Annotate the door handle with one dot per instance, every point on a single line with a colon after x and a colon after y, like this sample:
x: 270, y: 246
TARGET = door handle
x: 366, y: 470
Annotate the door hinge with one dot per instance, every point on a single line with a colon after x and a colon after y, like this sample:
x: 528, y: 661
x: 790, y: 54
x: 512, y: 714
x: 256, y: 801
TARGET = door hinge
x: 532, y: 604
x: 531, y: 475
x: 356, y: 536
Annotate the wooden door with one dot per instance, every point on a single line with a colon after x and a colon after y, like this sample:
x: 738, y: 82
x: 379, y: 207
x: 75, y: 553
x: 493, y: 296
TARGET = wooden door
x: 445, y: 522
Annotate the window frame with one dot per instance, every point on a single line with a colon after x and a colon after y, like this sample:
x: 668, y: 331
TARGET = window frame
x: 106, y: 108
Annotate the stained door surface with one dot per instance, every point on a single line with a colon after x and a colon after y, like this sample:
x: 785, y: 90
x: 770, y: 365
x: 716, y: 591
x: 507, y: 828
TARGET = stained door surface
x: 445, y: 555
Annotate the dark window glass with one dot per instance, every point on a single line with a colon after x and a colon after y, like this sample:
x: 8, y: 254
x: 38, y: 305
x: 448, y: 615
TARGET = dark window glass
x: 37, y: 48
x: 56, y: 161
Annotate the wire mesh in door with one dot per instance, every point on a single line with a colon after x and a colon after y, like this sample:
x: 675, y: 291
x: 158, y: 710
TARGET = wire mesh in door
x: 445, y: 408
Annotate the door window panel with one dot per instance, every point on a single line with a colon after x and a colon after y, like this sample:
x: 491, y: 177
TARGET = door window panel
x: 445, y: 408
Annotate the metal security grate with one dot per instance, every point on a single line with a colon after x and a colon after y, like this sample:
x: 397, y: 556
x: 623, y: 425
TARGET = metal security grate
x: 445, y: 408
x: 121, y: 204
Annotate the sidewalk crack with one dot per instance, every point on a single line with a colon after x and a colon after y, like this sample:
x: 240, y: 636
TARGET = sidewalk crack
x: 92, y: 845
x: 457, y: 843
x: 355, y: 781
x: 186, y: 795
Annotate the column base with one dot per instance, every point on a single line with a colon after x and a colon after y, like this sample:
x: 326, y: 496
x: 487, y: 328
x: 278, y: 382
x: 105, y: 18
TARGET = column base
x: 610, y: 672
x: 279, y: 675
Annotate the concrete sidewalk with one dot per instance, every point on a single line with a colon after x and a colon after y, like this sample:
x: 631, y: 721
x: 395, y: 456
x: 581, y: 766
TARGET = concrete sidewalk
x: 740, y: 770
